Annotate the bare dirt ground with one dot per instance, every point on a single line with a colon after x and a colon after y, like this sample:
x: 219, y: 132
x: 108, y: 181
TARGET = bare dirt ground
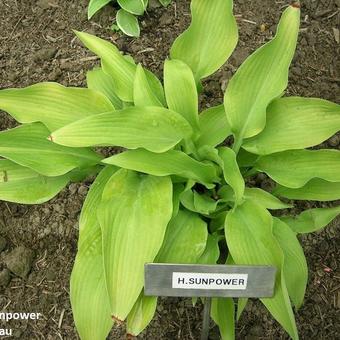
x: 37, y: 44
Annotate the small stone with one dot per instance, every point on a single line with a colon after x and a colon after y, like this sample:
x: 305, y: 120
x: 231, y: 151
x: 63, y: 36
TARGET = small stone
x: 165, y: 19
x: 154, y: 4
x: 19, y: 261
x: 5, y: 277
x: 45, y: 4
x: 3, y: 243
x: 239, y: 56
x: 256, y: 330
x: 50, y: 275
x: 45, y: 54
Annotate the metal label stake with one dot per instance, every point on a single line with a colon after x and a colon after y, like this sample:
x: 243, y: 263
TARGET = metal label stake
x: 207, y: 281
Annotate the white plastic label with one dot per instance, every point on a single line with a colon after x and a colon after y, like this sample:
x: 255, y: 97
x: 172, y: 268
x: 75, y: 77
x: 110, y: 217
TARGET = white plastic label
x: 209, y: 281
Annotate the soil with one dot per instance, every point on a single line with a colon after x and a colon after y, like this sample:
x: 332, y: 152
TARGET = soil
x: 38, y: 243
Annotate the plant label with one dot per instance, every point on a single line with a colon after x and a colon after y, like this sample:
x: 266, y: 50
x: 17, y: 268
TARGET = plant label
x: 209, y: 280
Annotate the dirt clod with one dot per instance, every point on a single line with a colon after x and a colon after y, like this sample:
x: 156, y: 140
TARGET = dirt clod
x: 3, y: 243
x: 5, y: 277
x: 19, y: 261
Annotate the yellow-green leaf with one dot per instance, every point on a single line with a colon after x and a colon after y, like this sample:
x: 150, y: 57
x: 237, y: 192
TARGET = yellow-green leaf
x: 293, y: 169
x: 133, y: 216
x: 153, y: 128
x: 214, y: 126
x: 99, y: 81
x: 180, y: 91
x: 114, y: 64
x: 261, y: 78
x: 231, y: 172
x: 89, y: 298
x: 52, y: 104
x: 295, y: 123
x: 265, y: 199
x: 295, y: 268
x: 315, y: 190
x: 223, y: 313
x: 311, y: 220
x: 210, y: 39
x: 28, y: 146
x: 25, y: 186
x: 147, y: 89
x: 172, y: 162
x: 251, y: 242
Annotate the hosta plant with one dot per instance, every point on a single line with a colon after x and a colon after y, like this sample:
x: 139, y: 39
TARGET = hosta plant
x: 178, y: 193
x: 126, y: 19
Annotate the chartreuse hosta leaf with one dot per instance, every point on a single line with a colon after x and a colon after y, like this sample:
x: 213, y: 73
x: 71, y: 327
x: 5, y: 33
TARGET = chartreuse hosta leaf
x: 95, y: 6
x: 23, y: 185
x: 311, y: 220
x: 52, y: 104
x: 211, y: 252
x: 133, y: 206
x: 147, y: 91
x: 260, y: 79
x: 184, y: 242
x: 136, y: 7
x: 114, y: 64
x: 172, y: 162
x: 265, y: 199
x: 28, y: 146
x: 98, y: 80
x: 89, y: 297
x: 214, y: 126
x: 295, y: 123
x: 180, y: 91
x: 222, y: 312
x: 153, y: 128
x: 128, y: 23
x: 294, y: 261
x: 315, y: 190
x: 251, y: 241
x: 303, y: 165
x: 232, y: 173
x: 211, y: 38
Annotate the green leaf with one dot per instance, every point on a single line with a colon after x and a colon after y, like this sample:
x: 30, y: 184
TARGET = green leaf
x: 89, y: 298
x: 231, y: 172
x: 148, y: 90
x: 211, y: 38
x: 25, y: 186
x: 204, y: 204
x: 311, y: 220
x: 211, y: 252
x: 128, y: 23
x: 28, y: 146
x: 265, y: 199
x: 52, y: 104
x: 114, y: 64
x: 98, y: 80
x: 184, y: 242
x: 295, y: 123
x: 315, y: 190
x: 214, y: 126
x: 133, y: 216
x: 153, y: 128
x: 241, y: 305
x: 223, y: 313
x: 165, y: 3
x: 141, y: 314
x: 185, y: 239
x: 295, y: 268
x: 172, y: 162
x: 136, y: 7
x: 261, y: 78
x: 95, y: 6
x: 251, y: 242
x: 303, y: 165
x: 180, y: 91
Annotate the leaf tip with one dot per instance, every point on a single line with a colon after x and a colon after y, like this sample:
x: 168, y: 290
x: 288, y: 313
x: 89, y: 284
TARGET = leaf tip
x: 117, y: 320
